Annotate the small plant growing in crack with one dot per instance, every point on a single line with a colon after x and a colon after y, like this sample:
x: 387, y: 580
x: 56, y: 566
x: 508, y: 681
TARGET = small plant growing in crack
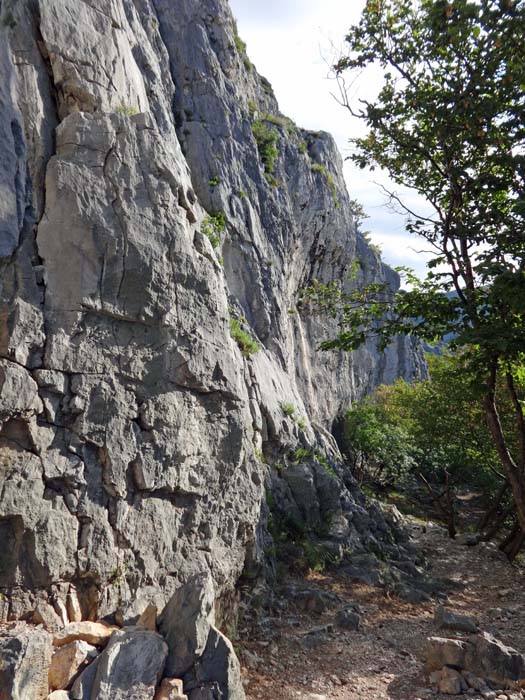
x: 288, y: 409
x: 323, y: 170
x: 127, y: 110
x: 244, y: 340
x: 212, y: 226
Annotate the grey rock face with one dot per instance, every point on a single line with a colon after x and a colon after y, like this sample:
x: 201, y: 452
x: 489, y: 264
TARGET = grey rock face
x: 185, y: 623
x: 26, y: 656
x: 13, y: 162
x: 348, y: 619
x: 131, y: 666
x: 446, y: 619
x: 489, y: 658
x: 130, y: 420
x: 217, y: 673
x: 482, y: 655
x: 82, y: 688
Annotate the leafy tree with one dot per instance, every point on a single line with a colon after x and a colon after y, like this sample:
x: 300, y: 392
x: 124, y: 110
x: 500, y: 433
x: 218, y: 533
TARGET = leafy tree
x: 441, y: 426
x: 433, y: 429
x: 449, y: 122
x: 378, y: 443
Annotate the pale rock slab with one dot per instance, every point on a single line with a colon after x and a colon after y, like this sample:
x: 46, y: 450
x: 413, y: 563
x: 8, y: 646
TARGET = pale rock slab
x: 441, y: 652
x: 171, y: 689
x: 74, y: 611
x: 67, y: 662
x: 139, y: 612
x: 19, y: 392
x: 45, y: 615
x: 94, y: 633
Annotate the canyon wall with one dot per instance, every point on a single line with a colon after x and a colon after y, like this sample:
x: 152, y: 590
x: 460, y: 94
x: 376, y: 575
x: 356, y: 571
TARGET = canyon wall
x: 139, y: 215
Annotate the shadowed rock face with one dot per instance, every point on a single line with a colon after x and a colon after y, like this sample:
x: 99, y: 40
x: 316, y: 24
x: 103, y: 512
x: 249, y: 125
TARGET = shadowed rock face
x: 130, y: 420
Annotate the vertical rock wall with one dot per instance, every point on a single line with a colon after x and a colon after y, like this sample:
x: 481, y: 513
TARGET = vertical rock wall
x: 131, y: 423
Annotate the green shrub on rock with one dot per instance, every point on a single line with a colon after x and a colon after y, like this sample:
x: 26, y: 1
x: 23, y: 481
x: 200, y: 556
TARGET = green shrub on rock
x: 266, y: 139
x: 244, y: 340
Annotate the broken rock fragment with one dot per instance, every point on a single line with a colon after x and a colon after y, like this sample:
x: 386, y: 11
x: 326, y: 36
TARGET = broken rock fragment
x: 171, y: 689
x: 68, y: 661
x: 185, y: 623
x: 25, y: 654
x: 95, y: 633
x: 131, y: 666
x: 217, y: 673
x: 446, y: 619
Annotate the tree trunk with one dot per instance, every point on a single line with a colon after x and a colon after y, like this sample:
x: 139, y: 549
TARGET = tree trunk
x: 513, y: 471
x: 512, y: 544
x: 492, y: 511
x: 496, y: 526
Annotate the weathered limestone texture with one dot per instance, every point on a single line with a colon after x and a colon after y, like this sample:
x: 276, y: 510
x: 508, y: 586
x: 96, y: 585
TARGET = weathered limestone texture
x: 131, y: 424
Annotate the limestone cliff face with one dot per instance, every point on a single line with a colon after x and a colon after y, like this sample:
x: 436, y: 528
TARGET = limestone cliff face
x: 132, y: 424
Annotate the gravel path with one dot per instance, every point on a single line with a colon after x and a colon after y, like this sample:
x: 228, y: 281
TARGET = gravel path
x: 306, y: 655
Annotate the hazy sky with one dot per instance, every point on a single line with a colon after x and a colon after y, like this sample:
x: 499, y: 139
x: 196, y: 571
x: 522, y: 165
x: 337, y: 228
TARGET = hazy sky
x: 292, y: 43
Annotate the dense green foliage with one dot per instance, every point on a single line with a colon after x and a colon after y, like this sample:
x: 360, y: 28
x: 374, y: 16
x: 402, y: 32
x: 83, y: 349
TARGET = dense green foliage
x: 212, y: 226
x: 430, y: 427
x: 244, y: 340
x: 240, y: 45
x: 266, y: 138
x: 451, y: 126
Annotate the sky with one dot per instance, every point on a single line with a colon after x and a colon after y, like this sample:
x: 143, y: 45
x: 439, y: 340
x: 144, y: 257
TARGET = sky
x: 292, y: 43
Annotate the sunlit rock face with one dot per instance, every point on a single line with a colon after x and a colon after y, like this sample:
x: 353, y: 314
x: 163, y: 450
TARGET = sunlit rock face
x: 132, y: 425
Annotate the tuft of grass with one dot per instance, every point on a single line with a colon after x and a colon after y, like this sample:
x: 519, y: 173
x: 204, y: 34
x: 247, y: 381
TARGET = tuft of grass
x: 244, y: 340
x: 317, y: 556
x: 214, y: 181
x: 271, y: 180
x: 323, y: 170
x: 279, y: 120
x: 288, y: 408
x: 260, y: 455
x: 302, y: 423
x: 212, y: 226
x: 127, y: 110
x: 323, y: 461
x: 300, y: 454
x: 266, y: 138
x: 240, y: 45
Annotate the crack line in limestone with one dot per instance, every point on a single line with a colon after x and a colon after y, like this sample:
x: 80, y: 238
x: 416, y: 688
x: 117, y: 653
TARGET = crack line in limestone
x: 121, y: 222
x: 114, y: 23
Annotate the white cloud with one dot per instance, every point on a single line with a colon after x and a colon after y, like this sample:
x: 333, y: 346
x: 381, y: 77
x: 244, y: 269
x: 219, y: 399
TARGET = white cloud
x: 292, y: 43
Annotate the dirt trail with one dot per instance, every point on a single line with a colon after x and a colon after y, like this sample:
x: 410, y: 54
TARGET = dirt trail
x: 383, y: 660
